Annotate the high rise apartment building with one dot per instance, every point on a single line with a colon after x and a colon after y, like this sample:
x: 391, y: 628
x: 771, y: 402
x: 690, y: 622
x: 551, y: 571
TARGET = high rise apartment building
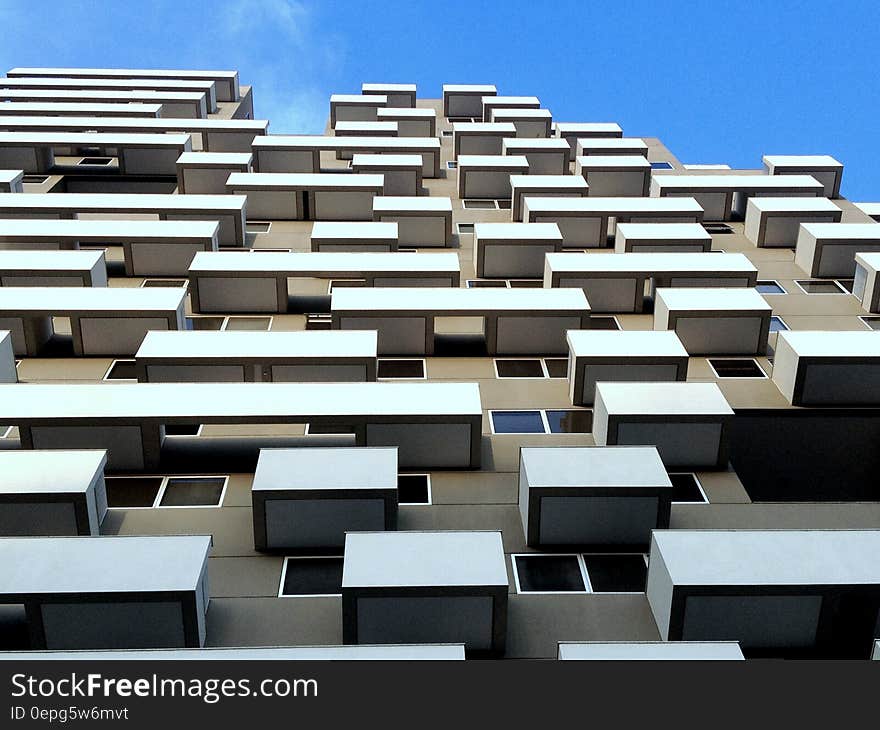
x: 455, y: 378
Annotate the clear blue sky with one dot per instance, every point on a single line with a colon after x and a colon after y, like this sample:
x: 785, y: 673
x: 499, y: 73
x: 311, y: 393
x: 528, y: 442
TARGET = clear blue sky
x: 717, y: 81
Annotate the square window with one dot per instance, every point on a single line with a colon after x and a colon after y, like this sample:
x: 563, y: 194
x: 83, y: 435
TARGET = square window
x: 183, y: 429
x: 204, y: 323
x: 517, y: 422
x: 686, y: 488
x: 504, y: 204
x: 413, y: 489
x: 847, y: 284
x: 871, y: 322
x: 152, y: 283
x: 519, y: 369
x: 570, y: 421
x: 769, y: 287
x: 486, y: 284
x: 465, y: 227
x: 526, y: 284
x: 387, y: 368
x: 132, y: 491
x: 122, y: 370
x: 557, y: 367
x: 451, y: 164
x: 193, y: 492
x: 617, y: 573
x: 258, y: 324
x: 661, y: 166
x: 736, y: 368
x: 548, y: 574
x: 777, y: 324
x: 717, y: 228
x: 258, y: 226
x: 821, y: 287
x: 478, y: 204
x: 311, y: 577
x: 604, y: 323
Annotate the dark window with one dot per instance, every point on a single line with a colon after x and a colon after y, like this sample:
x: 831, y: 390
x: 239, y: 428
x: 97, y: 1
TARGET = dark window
x: 413, y: 489
x: 401, y: 368
x: 122, y: 370
x: 132, y: 491
x: 526, y: 283
x: 318, y: 322
x: 517, y: 421
x: 34, y: 179
x: 821, y: 287
x: 519, y: 368
x: 481, y: 204
x: 204, y: 323
x: 557, y: 367
x: 258, y: 226
x: 451, y: 164
x: 717, y: 228
x: 192, y: 491
x: 446, y: 133
x: 769, y: 287
x: 248, y: 323
x: 872, y: 322
x: 14, y: 633
x: 731, y: 368
x: 325, y: 428
x: 617, y: 573
x: 847, y: 284
x: 604, y: 323
x: 182, y: 429
x: 543, y: 573
x: 777, y: 324
x: 573, y: 421
x: 312, y: 576
x: 661, y: 166
x: 95, y: 161
x: 465, y: 227
x: 686, y: 488
x: 486, y: 284
x: 150, y: 283
x: 504, y: 204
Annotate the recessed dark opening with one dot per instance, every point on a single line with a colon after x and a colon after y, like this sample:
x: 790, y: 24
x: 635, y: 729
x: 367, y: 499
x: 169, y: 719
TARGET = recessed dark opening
x: 95, y: 161
x: 872, y: 322
x: 617, y: 573
x: 465, y: 227
x: 820, y: 287
x: 14, y: 634
x: 603, y: 323
x: 400, y: 368
x: 132, y: 491
x: 151, y: 283
x: 726, y: 368
x: 192, y: 491
x: 526, y: 284
x: 570, y: 421
x: 717, y: 228
x: 685, y: 488
x: 769, y: 287
x: 504, y: 204
x: 182, y: 429
x: 661, y: 166
x: 517, y: 421
x: 312, y: 576
x: 557, y: 367
x: 259, y: 324
x: 204, y: 323
x: 34, y: 179
x: 519, y: 368
x: 412, y: 489
x: 486, y: 284
x: 543, y: 573
x: 122, y: 370
x: 258, y: 226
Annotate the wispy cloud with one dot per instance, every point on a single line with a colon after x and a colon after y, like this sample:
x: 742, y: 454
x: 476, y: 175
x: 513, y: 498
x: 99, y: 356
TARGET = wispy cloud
x: 291, y: 59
